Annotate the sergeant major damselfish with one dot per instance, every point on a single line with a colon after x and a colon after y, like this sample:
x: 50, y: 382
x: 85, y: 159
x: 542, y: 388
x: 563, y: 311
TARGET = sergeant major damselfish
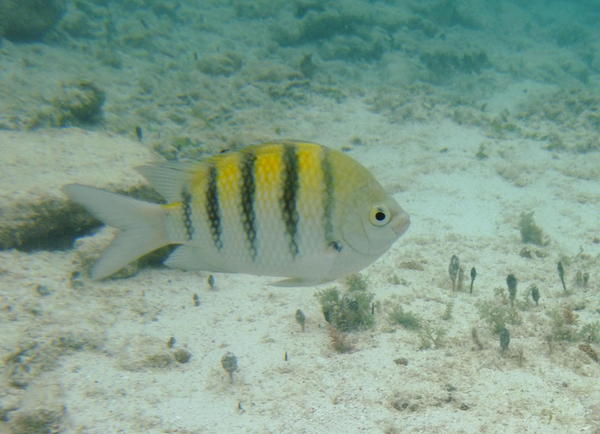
x: 297, y: 210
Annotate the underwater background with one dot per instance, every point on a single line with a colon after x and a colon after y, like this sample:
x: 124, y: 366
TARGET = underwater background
x: 481, y: 118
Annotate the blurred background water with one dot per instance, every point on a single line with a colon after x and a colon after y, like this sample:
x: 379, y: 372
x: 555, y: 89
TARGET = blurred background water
x: 191, y: 75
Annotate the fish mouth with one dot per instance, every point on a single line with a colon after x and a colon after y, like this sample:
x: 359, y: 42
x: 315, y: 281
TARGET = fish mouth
x: 401, y: 224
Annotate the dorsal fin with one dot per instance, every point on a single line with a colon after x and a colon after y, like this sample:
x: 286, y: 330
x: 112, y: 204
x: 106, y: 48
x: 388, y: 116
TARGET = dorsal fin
x: 168, y: 178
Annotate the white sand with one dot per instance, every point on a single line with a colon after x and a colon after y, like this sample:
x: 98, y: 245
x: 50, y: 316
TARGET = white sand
x: 458, y: 205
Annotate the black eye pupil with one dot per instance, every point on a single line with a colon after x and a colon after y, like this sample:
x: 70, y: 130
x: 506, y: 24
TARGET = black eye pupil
x: 380, y: 216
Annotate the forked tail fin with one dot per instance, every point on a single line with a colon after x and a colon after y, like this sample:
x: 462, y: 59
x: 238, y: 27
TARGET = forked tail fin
x: 141, y: 225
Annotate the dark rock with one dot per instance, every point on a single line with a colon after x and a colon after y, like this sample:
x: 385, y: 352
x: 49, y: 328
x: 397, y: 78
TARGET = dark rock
x: 28, y: 20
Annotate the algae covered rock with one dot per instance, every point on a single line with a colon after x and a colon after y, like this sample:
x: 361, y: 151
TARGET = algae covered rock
x: 74, y: 104
x: 220, y: 64
x: 26, y: 20
x: 78, y: 104
x: 35, y: 166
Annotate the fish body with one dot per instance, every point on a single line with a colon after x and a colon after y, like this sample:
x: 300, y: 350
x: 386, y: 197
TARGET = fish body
x: 291, y: 209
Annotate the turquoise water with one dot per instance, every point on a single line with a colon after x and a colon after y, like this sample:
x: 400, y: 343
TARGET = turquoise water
x: 185, y: 72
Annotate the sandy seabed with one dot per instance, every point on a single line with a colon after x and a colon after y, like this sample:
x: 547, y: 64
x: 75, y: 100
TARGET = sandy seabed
x: 95, y: 354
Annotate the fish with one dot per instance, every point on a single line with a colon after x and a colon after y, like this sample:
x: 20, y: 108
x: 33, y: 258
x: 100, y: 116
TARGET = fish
x: 291, y: 209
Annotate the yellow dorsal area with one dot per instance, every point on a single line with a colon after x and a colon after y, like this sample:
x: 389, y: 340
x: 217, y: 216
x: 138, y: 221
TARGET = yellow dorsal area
x: 312, y: 184
x: 267, y: 169
x: 228, y: 177
x: 268, y: 166
x: 309, y: 167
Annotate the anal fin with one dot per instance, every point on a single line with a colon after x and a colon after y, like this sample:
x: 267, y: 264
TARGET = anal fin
x: 299, y: 281
x: 188, y: 257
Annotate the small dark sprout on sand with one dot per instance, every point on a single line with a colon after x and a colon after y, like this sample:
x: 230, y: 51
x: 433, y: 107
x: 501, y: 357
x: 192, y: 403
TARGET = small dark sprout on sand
x: 300, y: 318
x: 453, y: 269
x: 511, y: 282
x: 211, y: 282
x: 535, y: 294
x: 504, y: 339
x: 229, y: 363
x: 171, y: 342
x: 196, y: 300
x: 561, y: 274
x: 473, y: 275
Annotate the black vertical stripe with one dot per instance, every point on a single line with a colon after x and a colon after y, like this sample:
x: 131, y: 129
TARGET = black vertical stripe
x: 213, y: 210
x: 247, y: 194
x: 187, y: 213
x: 289, y: 198
x: 328, y: 195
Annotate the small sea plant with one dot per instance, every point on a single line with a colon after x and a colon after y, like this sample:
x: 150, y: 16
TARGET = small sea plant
x: 511, y: 282
x: 497, y: 316
x: 561, y: 274
x: 300, y: 318
x: 531, y: 233
x: 431, y: 336
x: 348, y: 311
x: 356, y: 282
x: 453, y: 269
x: 229, y: 363
x: 404, y: 318
x: 504, y: 336
x: 535, y: 294
x: 473, y: 275
x: 562, y: 325
x: 340, y: 341
x: 211, y: 282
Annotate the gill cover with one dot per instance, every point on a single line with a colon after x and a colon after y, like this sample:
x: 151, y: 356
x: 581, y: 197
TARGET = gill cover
x: 367, y: 226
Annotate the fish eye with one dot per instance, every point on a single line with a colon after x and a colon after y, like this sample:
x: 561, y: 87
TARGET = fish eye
x: 380, y: 215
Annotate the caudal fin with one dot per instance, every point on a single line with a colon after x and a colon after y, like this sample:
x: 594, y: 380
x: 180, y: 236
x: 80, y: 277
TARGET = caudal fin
x: 141, y: 224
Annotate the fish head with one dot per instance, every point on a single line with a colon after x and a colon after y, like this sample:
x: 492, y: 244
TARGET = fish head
x: 372, y: 222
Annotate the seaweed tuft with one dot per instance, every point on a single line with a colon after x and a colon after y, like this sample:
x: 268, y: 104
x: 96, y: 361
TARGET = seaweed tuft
x: 531, y: 233
x: 348, y: 311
